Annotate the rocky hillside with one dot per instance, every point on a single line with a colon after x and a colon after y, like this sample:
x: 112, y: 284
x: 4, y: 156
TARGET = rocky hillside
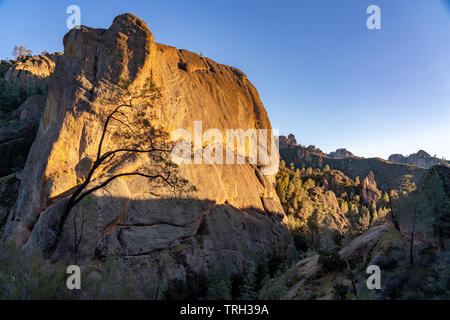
x: 23, y: 86
x: 384, y: 171
x: 327, y: 203
x: 414, y: 259
x: 86, y: 179
x: 419, y: 159
x: 234, y: 211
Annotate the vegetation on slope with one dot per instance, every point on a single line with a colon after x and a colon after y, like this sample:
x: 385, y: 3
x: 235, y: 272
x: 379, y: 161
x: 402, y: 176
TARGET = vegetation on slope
x: 320, y: 204
x: 414, y: 261
x: 385, y: 172
x: 12, y: 95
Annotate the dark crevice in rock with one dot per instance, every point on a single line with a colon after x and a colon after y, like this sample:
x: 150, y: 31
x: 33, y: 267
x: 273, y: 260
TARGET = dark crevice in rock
x: 150, y: 225
x: 203, y: 227
x: 260, y: 177
x: 182, y: 65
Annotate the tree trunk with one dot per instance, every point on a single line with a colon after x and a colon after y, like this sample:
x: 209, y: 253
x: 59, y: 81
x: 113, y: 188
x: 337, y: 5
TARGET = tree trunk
x: 411, y: 247
x: 352, y: 278
x: 397, y: 227
x: 68, y: 208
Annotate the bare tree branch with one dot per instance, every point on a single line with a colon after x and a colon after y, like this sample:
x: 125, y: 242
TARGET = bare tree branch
x: 104, y: 184
x: 141, y: 139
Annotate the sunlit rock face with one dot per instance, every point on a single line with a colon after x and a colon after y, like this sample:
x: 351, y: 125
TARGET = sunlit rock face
x: 369, y: 191
x: 33, y: 70
x: 420, y: 159
x: 235, y: 208
x: 340, y: 154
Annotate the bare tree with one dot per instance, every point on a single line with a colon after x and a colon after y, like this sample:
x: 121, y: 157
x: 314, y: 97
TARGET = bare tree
x: 21, y: 51
x: 351, y: 277
x: 394, y: 216
x: 128, y: 127
x: 385, y: 174
x: 78, y: 236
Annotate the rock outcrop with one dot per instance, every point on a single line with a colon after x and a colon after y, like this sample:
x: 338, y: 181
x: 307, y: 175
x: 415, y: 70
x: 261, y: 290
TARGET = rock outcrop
x: 384, y: 171
x: 289, y: 141
x: 235, y: 209
x: 307, y: 279
x: 340, y: 154
x: 33, y: 70
x: 419, y: 159
x: 336, y: 219
x: 336, y: 181
x: 369, y: 190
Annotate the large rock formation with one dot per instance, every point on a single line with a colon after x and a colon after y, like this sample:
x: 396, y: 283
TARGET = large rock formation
x: 235, y: 209
x: 420, y: 159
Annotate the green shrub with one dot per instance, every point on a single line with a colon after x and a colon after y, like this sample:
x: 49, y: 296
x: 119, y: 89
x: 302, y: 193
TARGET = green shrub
x: 331, y: 261
x: 31, y: 277
x: 4, y: 67
x: 301, y: 241
x: 12, y: 95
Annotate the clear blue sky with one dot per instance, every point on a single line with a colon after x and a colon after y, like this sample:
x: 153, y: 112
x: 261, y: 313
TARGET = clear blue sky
x: 320, y: 72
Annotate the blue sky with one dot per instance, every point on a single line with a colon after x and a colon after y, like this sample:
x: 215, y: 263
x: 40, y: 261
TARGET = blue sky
x: 320, y: 72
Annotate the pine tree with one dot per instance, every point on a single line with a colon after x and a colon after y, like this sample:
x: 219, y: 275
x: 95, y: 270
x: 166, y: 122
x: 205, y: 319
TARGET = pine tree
x: 407, y: 184
x: 248, y: 286
x: 433, y: 189
x: 343, y: 205
x: 282, y: 180
x: 297, y: 174
x: 292, y: 166
x: 327, y: 244
x: 309, y: 184
x: 415, y: 216
x: 364, y: 218
x: 219, y: 284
